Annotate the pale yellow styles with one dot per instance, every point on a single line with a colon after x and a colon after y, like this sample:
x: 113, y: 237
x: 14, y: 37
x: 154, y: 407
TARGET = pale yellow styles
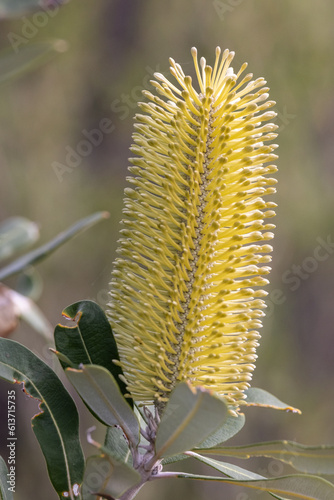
x: 186, y: 294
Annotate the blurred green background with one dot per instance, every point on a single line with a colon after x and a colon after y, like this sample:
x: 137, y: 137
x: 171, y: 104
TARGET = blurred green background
x: 113, y: 49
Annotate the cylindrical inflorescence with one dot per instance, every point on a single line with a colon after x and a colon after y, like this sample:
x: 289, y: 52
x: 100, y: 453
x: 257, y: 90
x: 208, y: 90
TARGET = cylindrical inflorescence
x: 187, y: 288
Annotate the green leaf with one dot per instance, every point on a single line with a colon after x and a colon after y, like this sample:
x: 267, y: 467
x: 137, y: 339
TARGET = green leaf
x: 292, y: 487
x: 5, y: 493
x: 191, y: 415
x: 231, y: 470
x: 90, y: 341
x: 309, y: 459
x: 230, y: 427
x: 63, y: 358
x: 44, y: 251
x: 27, y: 58
x: 106, y: 476
x: 11, y: 8
x: 174, y: 458
x: 56, y: 426
x: 16, y: 233
x: 101, y: 393
x: 259, y: 397
x: 116, y: 446
x: 111, y: 472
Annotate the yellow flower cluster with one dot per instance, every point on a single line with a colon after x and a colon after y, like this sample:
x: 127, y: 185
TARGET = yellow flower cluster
x: 186, y: 293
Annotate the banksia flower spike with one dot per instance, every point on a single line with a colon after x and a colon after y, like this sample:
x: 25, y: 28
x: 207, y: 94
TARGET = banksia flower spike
x: 186, y: 293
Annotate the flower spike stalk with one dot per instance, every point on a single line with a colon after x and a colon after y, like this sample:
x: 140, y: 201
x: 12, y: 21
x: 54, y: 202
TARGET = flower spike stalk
x: 187, y: 288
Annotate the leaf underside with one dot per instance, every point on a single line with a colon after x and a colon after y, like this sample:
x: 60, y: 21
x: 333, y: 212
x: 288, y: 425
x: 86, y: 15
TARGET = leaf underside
x: 231, y: 426
x: 301, y: 487
x: 190, y: 416
x: 99, y: 390
x: 308, y: 459
x: 260, y: 397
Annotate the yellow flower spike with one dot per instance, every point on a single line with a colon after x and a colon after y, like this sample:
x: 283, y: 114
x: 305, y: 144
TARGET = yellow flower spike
x: 194, y: 245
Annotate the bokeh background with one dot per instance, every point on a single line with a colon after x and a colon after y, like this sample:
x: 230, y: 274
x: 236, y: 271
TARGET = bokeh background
x: 114, y: 46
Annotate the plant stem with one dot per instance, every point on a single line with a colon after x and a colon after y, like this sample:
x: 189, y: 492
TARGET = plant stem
x: 163, y: 475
